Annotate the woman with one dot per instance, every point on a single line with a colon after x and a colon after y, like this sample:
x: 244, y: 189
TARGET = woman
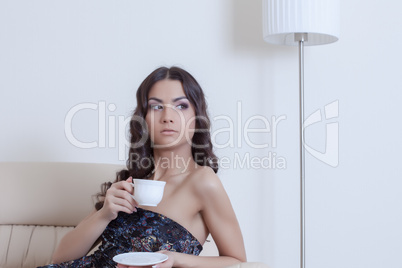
x: 170, y: 141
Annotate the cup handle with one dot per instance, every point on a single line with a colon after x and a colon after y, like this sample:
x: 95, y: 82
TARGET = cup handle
x: 132, y: 195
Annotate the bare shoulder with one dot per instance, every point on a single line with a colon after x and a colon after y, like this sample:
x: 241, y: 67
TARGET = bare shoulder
x: 206, y: 182
x: 204, y: 175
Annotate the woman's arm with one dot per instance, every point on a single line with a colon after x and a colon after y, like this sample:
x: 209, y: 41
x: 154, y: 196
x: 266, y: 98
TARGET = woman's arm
x: 222, y: 223
x: 220, y: 218
x: 79, y: 241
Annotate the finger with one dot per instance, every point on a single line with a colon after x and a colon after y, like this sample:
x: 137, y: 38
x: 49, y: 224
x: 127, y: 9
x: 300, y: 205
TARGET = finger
x: 164, y: 264
x: 122, y: 198
x: 119, y: 197
x: 123, y: 185
x: 119, y: 208
x: 130, y: 181
x: 121, y: 193
x: 128, y: 187
x: 128, y: 196
x: 123, y: 202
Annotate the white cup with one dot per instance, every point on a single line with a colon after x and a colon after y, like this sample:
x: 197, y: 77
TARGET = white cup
x: 148, y: 192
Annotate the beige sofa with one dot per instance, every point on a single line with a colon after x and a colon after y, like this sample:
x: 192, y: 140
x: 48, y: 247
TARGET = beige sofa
x: 40, y: 202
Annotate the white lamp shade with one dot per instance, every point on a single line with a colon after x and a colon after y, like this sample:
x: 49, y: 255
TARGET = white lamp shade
x: 318, y: 18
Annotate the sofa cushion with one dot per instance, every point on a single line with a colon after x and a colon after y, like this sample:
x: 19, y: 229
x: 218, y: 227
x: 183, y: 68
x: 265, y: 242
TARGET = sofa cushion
x: 28, y: 245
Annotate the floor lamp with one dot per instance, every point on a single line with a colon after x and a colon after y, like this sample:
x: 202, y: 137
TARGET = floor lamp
x: 301, y: 23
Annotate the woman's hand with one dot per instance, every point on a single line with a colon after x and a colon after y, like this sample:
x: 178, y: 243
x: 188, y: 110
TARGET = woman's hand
x: 166, y: 264
x: 118, y: 198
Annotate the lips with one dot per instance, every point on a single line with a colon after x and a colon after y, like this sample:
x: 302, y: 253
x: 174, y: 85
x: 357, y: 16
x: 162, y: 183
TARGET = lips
x: 168, y: 131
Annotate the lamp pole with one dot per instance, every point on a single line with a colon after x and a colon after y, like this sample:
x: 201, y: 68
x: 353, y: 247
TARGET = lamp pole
x: 301, y: 38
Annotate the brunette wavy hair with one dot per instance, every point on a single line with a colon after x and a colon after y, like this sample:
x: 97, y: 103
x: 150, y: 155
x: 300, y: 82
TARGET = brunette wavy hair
x: 140, y: 143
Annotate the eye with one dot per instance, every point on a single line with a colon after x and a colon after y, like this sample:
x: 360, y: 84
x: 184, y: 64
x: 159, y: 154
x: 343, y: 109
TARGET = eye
x: 182, y: 106
x: 155, y: 107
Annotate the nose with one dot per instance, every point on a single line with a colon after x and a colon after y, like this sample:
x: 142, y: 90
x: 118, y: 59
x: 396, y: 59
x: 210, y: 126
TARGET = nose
x: 168, y: 115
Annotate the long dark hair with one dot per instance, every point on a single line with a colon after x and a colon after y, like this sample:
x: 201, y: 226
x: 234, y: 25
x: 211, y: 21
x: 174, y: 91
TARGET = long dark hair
x: 140, y: 142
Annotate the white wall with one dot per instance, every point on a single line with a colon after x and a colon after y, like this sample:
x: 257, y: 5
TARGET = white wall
x: 55, y: 55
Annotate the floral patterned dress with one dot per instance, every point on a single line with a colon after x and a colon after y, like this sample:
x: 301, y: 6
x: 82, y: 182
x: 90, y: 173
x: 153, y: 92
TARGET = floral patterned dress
x: 141, y: 231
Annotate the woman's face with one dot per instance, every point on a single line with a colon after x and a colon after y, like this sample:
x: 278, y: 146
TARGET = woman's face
x: 170, y: 116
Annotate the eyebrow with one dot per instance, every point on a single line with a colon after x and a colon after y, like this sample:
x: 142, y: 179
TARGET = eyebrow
x: 174, y: 100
